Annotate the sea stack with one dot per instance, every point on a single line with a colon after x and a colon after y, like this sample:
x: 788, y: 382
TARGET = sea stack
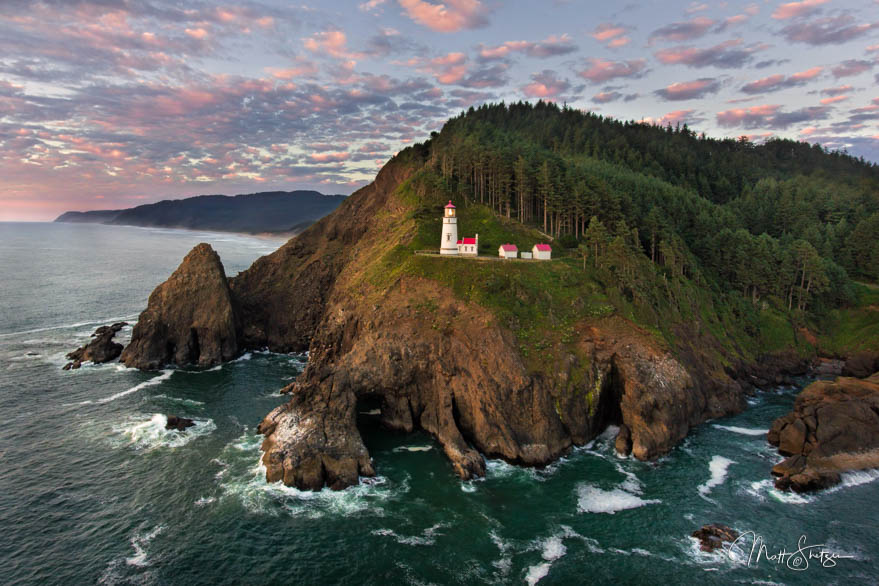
x: 189, y: 318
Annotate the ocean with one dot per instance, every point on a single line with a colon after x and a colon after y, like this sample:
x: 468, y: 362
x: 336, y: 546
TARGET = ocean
x: 94, y: 490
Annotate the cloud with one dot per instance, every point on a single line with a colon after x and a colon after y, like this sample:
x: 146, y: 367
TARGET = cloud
x: 689, y: 90
x: 333, y: 43
x: 778, y: 82
x: 602, y: 70
x: 835, y: 91
x: 549, y: 47
x: 370, y: 5
x: 546, y: 84
x: 834, y: 100
x: 449, y: 68
x: 769, y: 116
x: 827, y: 31
x: 727, y: 55
x: 797, y: 9
x: 612, y: 35
x: 852, y: 67
x: 451, y: 16
x: 330, y: 157
x: 672, y: 118
x: 606, y: 97
x: 682, y: 31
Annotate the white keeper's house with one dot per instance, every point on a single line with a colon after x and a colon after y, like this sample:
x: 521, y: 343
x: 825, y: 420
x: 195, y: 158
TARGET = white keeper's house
x: 508, y: 251
x: 542, y: 252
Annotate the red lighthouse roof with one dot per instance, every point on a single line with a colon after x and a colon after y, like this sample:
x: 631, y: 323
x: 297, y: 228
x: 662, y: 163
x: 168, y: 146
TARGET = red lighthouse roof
x: 450, y: 205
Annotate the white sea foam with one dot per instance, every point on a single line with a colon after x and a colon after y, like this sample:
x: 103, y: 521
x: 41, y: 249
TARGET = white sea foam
x: 178, y: 400
x: 427, y: 537
x: 151, y: 434
x: 763, y: 489
x: 372, y: 412
x: 742, y: 430
x: 243, y: 477
x: 205, y: 500
x: 855, y: 478
x: 139, y: 542
x: 553, y: 548
x: 718, y: 466
x: 591, y: 499
x: 413, y: 448
x: 70, y: 326
x: 632, y: 483
x: 156, y: 380
x: 537, y: 573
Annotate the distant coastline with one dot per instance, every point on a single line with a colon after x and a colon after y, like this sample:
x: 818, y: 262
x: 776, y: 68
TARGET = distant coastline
x: 275, y: 214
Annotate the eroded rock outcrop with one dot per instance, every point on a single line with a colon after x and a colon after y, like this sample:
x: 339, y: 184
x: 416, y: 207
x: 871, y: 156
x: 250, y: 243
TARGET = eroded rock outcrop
x: 713, y: 536
x: 834, y: 427
x: 100, y: 349
x: 446, y: 366
x: 189, y: 318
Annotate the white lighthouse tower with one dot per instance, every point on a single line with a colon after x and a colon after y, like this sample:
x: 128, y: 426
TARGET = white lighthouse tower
x: 449, y: 244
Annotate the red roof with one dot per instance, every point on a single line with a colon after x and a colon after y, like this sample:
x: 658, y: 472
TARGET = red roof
x: 468, y: 241
x: 450, y: 204
x: 543, y: 247
x: 509, y: 247
x: 458, y: 242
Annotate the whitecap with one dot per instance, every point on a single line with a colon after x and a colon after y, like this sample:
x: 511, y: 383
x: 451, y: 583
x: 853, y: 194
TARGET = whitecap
x: 205, y: 500
x: 152, y: 434
x: 427, y: 537
x: 592, y: 499
x: 245, y: 481
x: 761, y: 489
x: 179, y: 400
x: 718, y: 468
x: 742, y: 430
x: 139, y: 542
x: 855, y: 478
x: 537, y: 573
x: 413, y: 448
x: 157, y: 380
x: 632, y: 483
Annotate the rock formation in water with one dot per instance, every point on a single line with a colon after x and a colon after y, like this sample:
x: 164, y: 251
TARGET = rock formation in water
x: 712, y: 537
x: 833, y: 428
x: 189, y: 318
x: 100, y: 349
x: 178, y: 423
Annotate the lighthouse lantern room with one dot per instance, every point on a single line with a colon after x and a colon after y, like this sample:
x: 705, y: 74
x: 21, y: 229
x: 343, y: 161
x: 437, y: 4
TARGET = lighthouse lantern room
x: 449, y: 244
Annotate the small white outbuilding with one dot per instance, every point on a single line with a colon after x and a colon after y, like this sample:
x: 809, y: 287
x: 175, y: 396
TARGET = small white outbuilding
x: 508, y: 251
x: 542, y: 252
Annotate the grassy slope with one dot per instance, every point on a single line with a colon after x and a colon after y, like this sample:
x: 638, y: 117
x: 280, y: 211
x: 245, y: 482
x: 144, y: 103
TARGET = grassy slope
x: 854, y: 328
x: 544, y: 303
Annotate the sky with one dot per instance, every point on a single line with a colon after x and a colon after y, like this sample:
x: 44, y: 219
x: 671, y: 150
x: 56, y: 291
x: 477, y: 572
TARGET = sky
x: 108, y: 104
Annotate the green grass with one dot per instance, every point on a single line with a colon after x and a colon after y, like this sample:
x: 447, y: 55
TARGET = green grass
x: 853, y: 328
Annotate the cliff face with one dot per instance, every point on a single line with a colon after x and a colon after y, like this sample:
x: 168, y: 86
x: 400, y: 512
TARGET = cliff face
x: 833, y: 427
x: 189, y: 318
x: 432, y: 359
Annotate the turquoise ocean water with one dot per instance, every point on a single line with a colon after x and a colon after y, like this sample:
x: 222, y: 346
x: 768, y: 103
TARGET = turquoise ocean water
x: 94, y: 490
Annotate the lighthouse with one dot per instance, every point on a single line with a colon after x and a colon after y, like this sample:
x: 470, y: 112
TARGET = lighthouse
x: 449, y: 243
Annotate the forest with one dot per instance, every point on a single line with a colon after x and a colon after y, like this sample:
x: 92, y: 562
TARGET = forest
x: 784, y: 220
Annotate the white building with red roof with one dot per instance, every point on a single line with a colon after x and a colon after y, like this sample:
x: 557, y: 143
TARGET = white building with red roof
x: 468, y: 246
x: 542, y: 252
x: 508, y: 251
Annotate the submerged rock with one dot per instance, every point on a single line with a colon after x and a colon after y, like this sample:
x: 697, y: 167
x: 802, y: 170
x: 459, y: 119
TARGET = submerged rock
x: 178, y: 423
x: 713, y: 536
x: 189, y: 318
x: 834, y: 427
x: 99, y: 350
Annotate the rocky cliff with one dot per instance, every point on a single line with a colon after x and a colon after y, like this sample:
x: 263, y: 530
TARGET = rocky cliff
x: 189, y: 318
x: 833, y: 427
x: 432, y: 359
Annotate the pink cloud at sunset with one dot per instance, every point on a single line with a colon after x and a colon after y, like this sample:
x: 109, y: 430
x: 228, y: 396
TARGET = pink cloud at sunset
x: 105, y: 104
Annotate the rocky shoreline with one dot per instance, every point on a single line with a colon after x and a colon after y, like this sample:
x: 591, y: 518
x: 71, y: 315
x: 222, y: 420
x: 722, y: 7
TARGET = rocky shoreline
x: 833, y: 428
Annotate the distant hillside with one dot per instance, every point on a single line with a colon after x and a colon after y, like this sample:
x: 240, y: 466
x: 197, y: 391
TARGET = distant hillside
x: 273, y: 211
